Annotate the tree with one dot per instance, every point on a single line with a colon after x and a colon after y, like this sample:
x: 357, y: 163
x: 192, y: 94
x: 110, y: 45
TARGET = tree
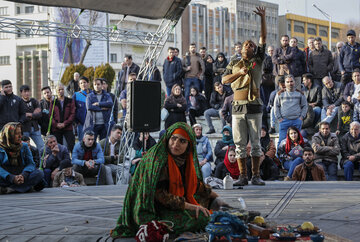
x: 93, y: 16
x: 105, y: 71
x: 69, y: 73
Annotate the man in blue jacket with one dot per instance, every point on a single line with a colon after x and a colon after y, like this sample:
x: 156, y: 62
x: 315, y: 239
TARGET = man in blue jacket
x: 80, y: 104
x: 349, y: 57
x: 98, y: 105
x: 172, y: 70
x: 88, y: 158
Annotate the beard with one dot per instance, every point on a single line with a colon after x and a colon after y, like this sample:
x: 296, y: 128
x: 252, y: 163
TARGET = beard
x: 247, y: 53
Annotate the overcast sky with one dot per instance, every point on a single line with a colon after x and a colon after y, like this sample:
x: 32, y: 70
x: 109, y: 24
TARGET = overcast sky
x: 341, y: 11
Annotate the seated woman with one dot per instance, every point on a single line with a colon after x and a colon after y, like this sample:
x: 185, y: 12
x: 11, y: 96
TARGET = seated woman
x: 197, y: 105
x: 168, y: 185
x: 290, y: 150
x: 269, y: 169
x: 138, y: 147
x: 175, y: 104
x: 204, y: 151
x: 229, y: 165
x: 222, y: 145
x: 17, y: 168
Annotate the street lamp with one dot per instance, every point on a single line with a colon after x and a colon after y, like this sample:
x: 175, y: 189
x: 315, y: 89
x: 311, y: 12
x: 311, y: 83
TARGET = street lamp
x: 329, y: 18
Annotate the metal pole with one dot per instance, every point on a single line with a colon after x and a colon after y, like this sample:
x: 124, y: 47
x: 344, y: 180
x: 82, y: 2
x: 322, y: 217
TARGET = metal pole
x: 330, y: 34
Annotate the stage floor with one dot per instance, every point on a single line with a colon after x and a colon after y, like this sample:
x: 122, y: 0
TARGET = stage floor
x: 88, y: 213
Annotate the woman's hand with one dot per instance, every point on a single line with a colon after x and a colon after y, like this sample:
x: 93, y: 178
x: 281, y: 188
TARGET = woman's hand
x: 197, y: 208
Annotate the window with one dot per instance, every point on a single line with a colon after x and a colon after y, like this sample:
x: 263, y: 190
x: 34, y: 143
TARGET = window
x: 311, y: 29
x: 18, y: 10
x: 29, y: 9
x: 113, y: 58
x: 4, y: 60
x: 4, y: 35
x: 323, y: 33
x: 289, y: 26
x: 335, y: 33
x: 3, y: 11
x: 299, y: 27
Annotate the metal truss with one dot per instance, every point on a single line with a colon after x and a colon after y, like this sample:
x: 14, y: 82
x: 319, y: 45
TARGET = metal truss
x: 126, y: 151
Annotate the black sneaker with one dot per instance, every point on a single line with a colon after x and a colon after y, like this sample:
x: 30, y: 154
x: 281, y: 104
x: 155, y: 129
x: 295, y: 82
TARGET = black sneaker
x: 272, y: 131
x: 211, y: 131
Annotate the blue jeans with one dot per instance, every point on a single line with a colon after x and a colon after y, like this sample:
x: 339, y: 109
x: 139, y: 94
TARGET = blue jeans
x: 168, y: 91
x: 206, y: 170
x: 273, y: 120
x: 330, y: 169
x: 99, y: 130
x: 290, y: 165
x: 317, y: 111
x: 36, y: 137
x: 349, y: 170
x: 188, y: 83
x: 212, y: 112
x: 80, y: 131
x: 330, y: 118
x: 35, y: 179
x: 285, y: 124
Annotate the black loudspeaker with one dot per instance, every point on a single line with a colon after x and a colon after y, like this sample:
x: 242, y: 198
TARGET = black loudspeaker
x: 144, y: 106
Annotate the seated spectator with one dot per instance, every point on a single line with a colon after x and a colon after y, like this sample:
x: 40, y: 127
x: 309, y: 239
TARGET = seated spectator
x: 67, y: 177
x: 175, y: 104
x: 270, y: 106
x: 269, y: 162
x: 111, y: 148
x: 216, y: 102
x: 123, y: 94
x: 326, y: 147
x: 356, y: 116
x: 351, y: 91
x: 331, y: 99
x: 88, y: 158
x: 350, y: 150
x: 33, y: 149
x: 307, y: 128
x: 222, y: 145
x: 308, y: 171
x: 226, y: 110
x: 139, y: 149
x: 219, y: 66
x: 204, y: 151
x: 197, y: 105
x: 312, y: 93
x: 345, y: 118
x: 55, y: 154
x: 290, y: 151
x: 229, y: 166
x: 17, y: 168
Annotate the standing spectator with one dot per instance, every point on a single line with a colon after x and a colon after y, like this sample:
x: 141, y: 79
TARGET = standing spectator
x: 176, y: 52
x: 268, y: 79
x: 80, y: 105
x: 115, y: 110
x: 154, y: 75
x: 219, y: 66
x: 349, y: 57
x: 320, y: 62
x: 237, y: 55
x: 194, y: 69
x: 326, y: 147
x: 203, y: 150
x: 33, y: 149
x: 283, y: 59
x: 274, y: 122
x: 67, y: 177
x: 336, y: 73
x: 12, y: 108
x: 111, y: 148
x: 226, y: 110
x: 223, y: 145
x: 98, y: 105
x: 351, y: 91
x: 299, y: 62
x: 64, y: 116
x: 46, y: 105
x: 33, y: 113
x: 54, y: 155
x: 229, y: 165
x: 312, y: 93
x: 175, y: 104
x: 127, y: 67
x: 345, y: 118
x: 172, y: 71
x: 88, y: 158
x: 308, y: 171
x: 216, y: 102
x: 350, y: 151
x: 123, y: 94
x: 331, y: 99
x: 197, y: 105
x: 209, y: 77
x: 290, y: 107
x: 203, y: 56
x: 73, y: 85
x: 310, y: 47
x: 17, y: 168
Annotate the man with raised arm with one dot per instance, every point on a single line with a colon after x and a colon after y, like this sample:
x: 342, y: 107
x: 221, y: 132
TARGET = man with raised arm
x: 245, y: 78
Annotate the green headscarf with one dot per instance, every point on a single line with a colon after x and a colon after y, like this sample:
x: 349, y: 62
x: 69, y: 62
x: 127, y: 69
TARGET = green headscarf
x: 139, y: 202
x: 227, y: 139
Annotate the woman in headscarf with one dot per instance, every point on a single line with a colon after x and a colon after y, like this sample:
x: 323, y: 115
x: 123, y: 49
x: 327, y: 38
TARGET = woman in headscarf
x: 197, y: 105
x: 168, y: 185
x: 290, y: 150
x: 223, y: 145
x: 229, y: 165
x: 175, y: 104
x: 219, y: 66
x: 209, y: 78
x: 17, y: 168
x: 203, y: 150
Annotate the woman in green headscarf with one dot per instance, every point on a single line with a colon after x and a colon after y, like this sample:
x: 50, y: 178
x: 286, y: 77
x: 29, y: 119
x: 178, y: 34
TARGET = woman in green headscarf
x: 223, y: 145
x: 168, y: 185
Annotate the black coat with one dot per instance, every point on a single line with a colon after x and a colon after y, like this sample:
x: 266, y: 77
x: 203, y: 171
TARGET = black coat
x: 328, y: 98
x: 221, y: 170
x: 313, y: 95
x: 176, y: 114
x: 219, y: 153
x: 12, y: 109
x: 217, y: 100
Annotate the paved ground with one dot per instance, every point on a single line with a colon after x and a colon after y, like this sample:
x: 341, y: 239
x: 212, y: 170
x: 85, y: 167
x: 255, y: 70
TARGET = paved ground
x: 88, y: 213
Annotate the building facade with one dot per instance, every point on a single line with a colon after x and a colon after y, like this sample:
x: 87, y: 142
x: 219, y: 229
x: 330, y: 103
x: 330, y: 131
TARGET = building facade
x: 303, y: 27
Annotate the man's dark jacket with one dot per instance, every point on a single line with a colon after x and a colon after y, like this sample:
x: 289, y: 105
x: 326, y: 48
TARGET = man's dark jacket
x: 12, y: 109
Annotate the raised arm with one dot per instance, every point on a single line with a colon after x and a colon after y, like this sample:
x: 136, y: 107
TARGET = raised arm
x: 261, y: 12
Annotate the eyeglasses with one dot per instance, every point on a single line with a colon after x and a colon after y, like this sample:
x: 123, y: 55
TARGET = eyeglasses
x: 174, y: 138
